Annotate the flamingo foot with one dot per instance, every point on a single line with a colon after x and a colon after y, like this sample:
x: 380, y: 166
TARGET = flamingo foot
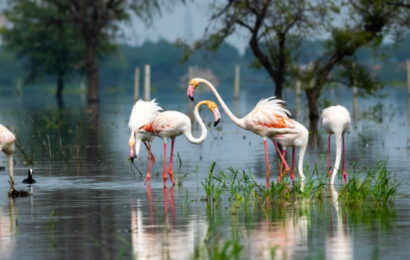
x: 147, y: 178
x: 286, y: 170
x: 292, y: 175
x: 171, y: 175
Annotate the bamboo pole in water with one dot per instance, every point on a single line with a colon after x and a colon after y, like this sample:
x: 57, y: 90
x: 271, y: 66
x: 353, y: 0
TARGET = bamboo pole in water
x: 137, y: 83
x: 236, y: 84
x: 147, y: 83
x: 298, y: 104
x: 408, y: 75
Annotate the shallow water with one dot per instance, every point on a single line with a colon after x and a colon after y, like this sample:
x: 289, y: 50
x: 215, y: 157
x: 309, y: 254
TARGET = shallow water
x: 103, y: 210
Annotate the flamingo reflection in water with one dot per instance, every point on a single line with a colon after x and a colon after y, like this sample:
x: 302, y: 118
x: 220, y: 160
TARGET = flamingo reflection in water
x: 8, y: 230
x: 152, y: 236
x: 339, y: 245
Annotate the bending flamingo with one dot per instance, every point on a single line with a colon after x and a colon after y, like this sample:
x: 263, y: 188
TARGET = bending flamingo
x: 336, y: 120
x: 267, y: 119
x: 142, y: 113
x: 7, y: 146
x: 295, y: 140
x: 171, y: 124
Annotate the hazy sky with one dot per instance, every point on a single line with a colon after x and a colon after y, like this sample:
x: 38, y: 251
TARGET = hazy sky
x: 184, y: 21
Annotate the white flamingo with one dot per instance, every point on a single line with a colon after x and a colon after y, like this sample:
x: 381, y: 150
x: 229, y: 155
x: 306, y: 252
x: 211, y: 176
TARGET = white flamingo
x: 171, y: 124
x: 7, y: 146
x: 336, y: 120
x: 142, y: 113
x: 295, y: 140
x: 267, y: 119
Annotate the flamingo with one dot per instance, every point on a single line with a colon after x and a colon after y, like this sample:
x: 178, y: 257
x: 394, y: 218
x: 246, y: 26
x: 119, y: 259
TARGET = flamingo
x: 267, y: 119
x: 295, y: 140
x: 336, y: 120
x: 171, y: 124
x: 142, y: 113
x: 7, y: 146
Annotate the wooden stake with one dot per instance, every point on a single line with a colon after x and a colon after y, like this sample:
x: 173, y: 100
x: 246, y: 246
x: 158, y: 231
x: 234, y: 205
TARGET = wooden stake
x: 147, y: 83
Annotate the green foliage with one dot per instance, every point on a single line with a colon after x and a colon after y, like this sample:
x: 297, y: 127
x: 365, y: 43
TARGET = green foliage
x: 50, y: 49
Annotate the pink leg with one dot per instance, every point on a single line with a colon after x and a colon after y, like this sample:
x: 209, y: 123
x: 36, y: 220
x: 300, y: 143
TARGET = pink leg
x: 170, y: 163
x: 166, y: 204
x: 281, y: 165
x: 150, y: 165
x: 281, y: 156
x: 292, y: 174
x: 267, y: 162
x: 165, y: 164
x: 330, y: 173
x: 344, y: 171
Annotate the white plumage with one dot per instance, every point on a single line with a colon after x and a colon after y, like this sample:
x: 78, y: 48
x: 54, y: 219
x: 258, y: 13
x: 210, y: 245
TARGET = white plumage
x: 336, y: 120
x: 142, y: 113
x: 267, y: 119
x: 7, y: 146
x: 171, y: 124
x: 296, y: 141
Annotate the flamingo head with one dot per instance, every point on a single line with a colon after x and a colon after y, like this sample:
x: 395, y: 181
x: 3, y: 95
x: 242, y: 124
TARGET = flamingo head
x: 131, y: 143
x: 191, y: 88
x: 214, y: 109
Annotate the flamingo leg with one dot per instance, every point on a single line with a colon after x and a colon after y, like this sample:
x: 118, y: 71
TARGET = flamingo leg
x: 166, y: 205
x: 149, y: 165
x: 344, y: 171
x: 267, y: 162
x: 281, y: 165
x: 330, y: 173
x: 170, y: 163
x: 165, y: 164
x: 281, y: 156
x: 292, y: 174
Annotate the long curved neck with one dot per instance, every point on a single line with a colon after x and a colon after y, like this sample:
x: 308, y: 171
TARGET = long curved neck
x: 231, y: 116
x: 338, y: 156
x: 301, y: 157
x: 188, y: 133
x: 10, y: 157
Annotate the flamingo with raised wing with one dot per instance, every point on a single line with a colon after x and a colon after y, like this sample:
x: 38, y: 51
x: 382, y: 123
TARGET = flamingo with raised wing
x: 336, y: 120
x: 7, y: 146
x: 171, y: 124
x: 267, y: 119
x: 295, y: 141
x: 142, y: 113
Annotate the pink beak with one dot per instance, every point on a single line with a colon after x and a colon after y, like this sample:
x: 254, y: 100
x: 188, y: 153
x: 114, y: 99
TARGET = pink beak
x: 217, y: 116
x: 190, y: 92
x: 132, y: 153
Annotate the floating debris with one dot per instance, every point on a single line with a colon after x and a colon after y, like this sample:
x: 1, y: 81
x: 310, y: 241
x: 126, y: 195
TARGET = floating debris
x: 17, y: 193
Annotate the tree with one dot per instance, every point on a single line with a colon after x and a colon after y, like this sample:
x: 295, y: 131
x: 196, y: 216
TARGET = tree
x: 274, y: 29
x: 50, y: 49
x: 98, y: 20
x: 368, y: 23
x: 277, y: 27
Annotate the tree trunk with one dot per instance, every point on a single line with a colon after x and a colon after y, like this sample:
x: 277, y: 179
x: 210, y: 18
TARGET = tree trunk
x: 60, y: 87
x: 91, y: 67
x: 313, y: 97
x: 278, y: 89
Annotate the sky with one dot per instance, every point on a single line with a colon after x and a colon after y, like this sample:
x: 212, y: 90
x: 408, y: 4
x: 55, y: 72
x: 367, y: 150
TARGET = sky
x: 184, y: 21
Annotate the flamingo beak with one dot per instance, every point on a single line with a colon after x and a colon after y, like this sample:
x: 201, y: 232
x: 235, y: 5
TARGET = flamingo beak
x: 132, y: 154
x: 190, y: 92
x: 217, y: 116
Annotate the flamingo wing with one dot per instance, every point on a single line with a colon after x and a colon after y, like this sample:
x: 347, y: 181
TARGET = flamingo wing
x: 271, y: 113
x: 142, y: 113
x: 5, y: 135
x: 163, y: 122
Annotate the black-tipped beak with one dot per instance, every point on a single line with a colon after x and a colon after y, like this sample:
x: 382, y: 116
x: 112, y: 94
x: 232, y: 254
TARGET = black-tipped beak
x: 192, y: 99
x: 132, y: 159
x: 216, y: 122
